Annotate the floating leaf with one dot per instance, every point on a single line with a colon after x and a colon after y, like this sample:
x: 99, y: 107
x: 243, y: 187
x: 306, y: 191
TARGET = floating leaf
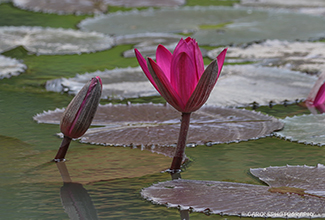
x: 117, y: 83
x: 294, y: 192
x: 303, y: 56
x: 63, y: 6
x: 153, y: 124
x: 10, y: 67
x: 235, y: 199
x: 145, y: 3
x: 307, y: 129
x: 288, y: 3
x: 241, y: 25
x: 147, y: 43
x: 239, y: 85
x: 53, y: 40
x: 87, y: 6
x: 309, y: 178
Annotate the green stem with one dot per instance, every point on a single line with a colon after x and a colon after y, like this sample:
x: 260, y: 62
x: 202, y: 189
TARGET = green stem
x: 181, y: 144
x: 63, y: 149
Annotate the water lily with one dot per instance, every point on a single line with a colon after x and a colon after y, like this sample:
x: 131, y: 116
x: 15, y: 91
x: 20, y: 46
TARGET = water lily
x: 79, y: 114
x: 180, y: 77
x: 183, y: 82
x: 316, y: 97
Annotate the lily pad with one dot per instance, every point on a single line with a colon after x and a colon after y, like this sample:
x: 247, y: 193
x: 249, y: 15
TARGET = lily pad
x: 63, y: 6
x: 235, y: 25
x: 307, y: 129
x: 145, y: 3
x: 118, y: 83
x: 237, y: 199
x: 287, y: 3
x: 147, y: 43
x: 53, y: 40
x: 241, y: 85
x: 309, y: 178
x: 302, y: 56
x: 10, y: 67
x: 88, y: 6
x: 238, y: 85
x: 154, y: 124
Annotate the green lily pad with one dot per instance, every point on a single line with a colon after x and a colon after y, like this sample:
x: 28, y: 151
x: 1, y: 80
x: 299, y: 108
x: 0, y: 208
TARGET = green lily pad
x: 306, y: 129
x: 302, y: 56
x: 88, y: 6
x: 154, y: 124
x: 288, y: 3
x: 63, y: 6
x: 241, y: 85
x: 245, y: 25
x: 10, y: 67
x: 118, y: 83
x: 238, y: 85
x: 53, y: 40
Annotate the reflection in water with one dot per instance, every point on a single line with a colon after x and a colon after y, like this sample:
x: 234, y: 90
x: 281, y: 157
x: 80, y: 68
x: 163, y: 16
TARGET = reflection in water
x: 74, y: 197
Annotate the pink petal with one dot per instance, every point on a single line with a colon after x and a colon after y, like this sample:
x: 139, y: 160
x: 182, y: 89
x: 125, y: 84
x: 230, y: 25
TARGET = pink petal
x: 181, y: 47
x: 198, y: 61
x: 183, y: 76
x: 220, y: 59
x: 320, y: 97
x: 166, y: 90
x: 164, y: 59
x: 204, y: 87
x: 206, y: 83
x: 144, y: 67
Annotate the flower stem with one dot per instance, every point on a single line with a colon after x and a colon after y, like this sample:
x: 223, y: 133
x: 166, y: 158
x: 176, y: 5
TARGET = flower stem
x: 181, y: 144
x: 63, y: 149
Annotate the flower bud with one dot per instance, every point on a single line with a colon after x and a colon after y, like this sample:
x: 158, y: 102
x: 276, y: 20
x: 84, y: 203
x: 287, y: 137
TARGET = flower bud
x: 79, y: 114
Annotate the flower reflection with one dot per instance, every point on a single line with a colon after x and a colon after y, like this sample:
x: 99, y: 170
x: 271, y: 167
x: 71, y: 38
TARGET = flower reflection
x: 74, y: 197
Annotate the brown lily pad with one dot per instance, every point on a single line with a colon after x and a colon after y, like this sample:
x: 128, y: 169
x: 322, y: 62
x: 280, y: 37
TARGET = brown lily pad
x: 236, y: 199
x: 156, y: 124
x: 294, y: 192
x: 309, y: 178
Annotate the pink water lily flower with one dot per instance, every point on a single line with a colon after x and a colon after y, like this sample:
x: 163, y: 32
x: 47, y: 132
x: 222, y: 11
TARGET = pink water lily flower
x: 180, y: 77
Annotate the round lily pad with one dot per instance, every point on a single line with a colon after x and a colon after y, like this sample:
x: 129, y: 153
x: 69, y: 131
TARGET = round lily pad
x: 287, y: 3
x: 308, y: 178
x: 53, y: 40
x: 88, y: 6
x: 307, y: 129
x: 117, y: 83
x: 145, y: 3
x: 211, y: 25
x: 63, y: 6
x: 236, y: 199
x: 302, y: 56
x: 238, y: 85
x: 154, y: 124
x: 241, y: 85
x: 10, y: 67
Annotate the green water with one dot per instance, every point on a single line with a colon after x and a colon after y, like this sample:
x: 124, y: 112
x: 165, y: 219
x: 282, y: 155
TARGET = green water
x: 24, y: 143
